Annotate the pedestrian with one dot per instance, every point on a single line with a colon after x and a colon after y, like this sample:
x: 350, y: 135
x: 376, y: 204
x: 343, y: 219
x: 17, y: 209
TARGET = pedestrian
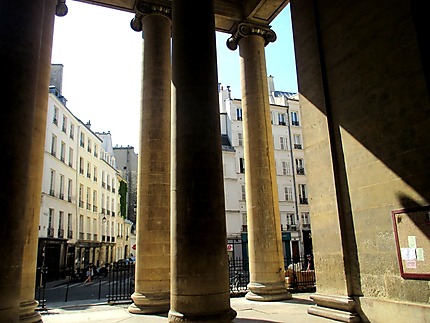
x: 90, y: 273
x: 310, y: 263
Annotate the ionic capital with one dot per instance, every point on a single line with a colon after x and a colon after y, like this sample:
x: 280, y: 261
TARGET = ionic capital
x: 143, y: 8
x: 247, y: 28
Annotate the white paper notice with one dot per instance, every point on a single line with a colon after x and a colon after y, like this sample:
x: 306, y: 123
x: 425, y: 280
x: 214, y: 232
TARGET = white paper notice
x: 420, y: 254
x: 411, y: 264
x: 408, y: 253
x: 412, y: 242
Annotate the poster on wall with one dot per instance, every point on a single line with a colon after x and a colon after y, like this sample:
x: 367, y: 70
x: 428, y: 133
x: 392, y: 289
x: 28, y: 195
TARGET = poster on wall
x: 412, y: 234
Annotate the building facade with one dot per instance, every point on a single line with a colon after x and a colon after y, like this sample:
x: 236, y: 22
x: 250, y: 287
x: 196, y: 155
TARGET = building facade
x: 80, y: 218
x: 127, y: 163
x: 290, y: 173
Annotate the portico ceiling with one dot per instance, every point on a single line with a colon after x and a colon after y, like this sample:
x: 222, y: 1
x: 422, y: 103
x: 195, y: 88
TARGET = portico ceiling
x: 227, y: 12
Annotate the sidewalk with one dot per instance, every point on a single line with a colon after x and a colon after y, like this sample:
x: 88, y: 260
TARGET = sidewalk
x: 294, y: 310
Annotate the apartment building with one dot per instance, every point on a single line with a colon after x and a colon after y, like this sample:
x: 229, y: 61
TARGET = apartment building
x: 290, y: 171
x: 80, y: 220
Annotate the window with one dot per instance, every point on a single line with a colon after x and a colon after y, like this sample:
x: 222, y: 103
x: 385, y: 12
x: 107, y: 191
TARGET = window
x: 81, y: 166
x: 64, y: 126
x: 82, y: 140
x: 61, y: 196
x: 303, y: 194
x: 69, y: 226
x: 81, y: 227
x: 108, y: 181
x: 295, y: 118
x: 243, y: 190
x: 60, y: 224
x: 96, y: 148
x: 95, y: 174
x: 72, y: 131
x: 103, y: 179
x: 51, y: 218
x: 89, y: 146
x: 300, y: 167
x: 240, y: 139
x: 297, y: 142
x: 113, y: 207
x: 113, y: 185
x: 281, y: 119
x: 239, y: 114
x: 286, y: 169
x: 81, y: 192
x: 288, y: 193
x: 63, y: 152
x: 290, y: 219
x: 88, y: 169
x: 69, y: 190
x: 54, y: 146
x: 55, y: 118
x: 50, y: 232
x: 52, y: 183
x: 241, y: 165
x: 71, y: 157
x: 305, y: 218
x: 88, y: 198
x: 94, y: 201
x: 282, y: 143
x: 103, y: 203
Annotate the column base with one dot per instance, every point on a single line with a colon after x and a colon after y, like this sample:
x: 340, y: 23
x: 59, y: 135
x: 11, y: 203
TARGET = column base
x: 224, y: 317
x: 27, y: 312
x: 268, y: 292
x: 335, y: 307
x: 149, y: 303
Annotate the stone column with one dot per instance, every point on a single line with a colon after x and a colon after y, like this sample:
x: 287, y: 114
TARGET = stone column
x: 266, y: 263
x: 32, y: 215
x: 152, y: 292
x: 199, y: 263
x: 20, y: 39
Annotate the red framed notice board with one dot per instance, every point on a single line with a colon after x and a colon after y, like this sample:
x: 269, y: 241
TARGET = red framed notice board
x: 412, y: 234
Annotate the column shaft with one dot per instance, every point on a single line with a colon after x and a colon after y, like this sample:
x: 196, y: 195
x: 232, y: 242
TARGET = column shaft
x: 267, y: 273
x: 20, y: 39
x: 199, y: 288
x: 152, y: 293
x: 32, y: 215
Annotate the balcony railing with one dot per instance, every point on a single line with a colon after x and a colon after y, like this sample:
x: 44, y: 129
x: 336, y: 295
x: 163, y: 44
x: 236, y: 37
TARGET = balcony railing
x: 60, y: 233
x: 303, y: 200
x: 306, y: 225
x: 69, y: 234
x: 291, y: 227
x: 244, y: 228
x: 95, y: 237
x: 94, y: 208
x: 300, y: 171
x: 297, y: 146
x: 81, y: 236
x: 50, y: 232
x: 52, y: 192
x: 88, y: 236
x: 61, y: 196
x: 81, y: 204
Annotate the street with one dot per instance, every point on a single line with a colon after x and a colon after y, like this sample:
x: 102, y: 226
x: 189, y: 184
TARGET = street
x: 98, y: 290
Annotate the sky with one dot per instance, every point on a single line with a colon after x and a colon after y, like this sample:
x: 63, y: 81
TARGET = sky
x: 102, y: 59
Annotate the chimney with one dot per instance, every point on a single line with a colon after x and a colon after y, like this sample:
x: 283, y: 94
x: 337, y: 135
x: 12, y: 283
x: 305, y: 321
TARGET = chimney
x: 57, y: 77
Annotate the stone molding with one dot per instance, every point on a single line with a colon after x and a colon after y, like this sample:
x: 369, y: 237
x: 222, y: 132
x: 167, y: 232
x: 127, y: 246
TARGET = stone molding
x: 144, y: 8
x: 247, y: 28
